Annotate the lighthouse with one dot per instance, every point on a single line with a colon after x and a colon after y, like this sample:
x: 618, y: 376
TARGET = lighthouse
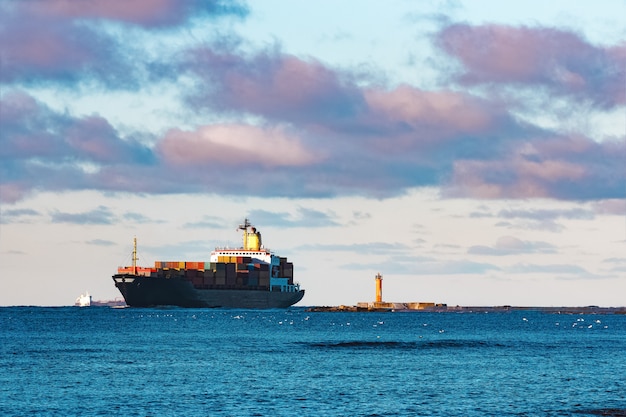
x: 379, y: 288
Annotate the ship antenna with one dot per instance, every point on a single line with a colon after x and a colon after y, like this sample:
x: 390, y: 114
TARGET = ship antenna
x: 244, y: 227
x: 135, y: 256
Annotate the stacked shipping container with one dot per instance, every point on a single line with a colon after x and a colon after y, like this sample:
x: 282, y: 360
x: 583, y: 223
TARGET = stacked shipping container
x: 232, y: 272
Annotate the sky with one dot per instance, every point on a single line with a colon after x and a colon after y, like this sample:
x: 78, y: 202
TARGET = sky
x: 472, y: 152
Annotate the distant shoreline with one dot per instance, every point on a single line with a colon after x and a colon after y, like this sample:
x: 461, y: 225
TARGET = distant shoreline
x: 473, y: 309
x: 399, y: 308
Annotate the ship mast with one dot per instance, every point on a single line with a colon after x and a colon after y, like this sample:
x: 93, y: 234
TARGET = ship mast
x: 244, y: 227
x: 135, y: 256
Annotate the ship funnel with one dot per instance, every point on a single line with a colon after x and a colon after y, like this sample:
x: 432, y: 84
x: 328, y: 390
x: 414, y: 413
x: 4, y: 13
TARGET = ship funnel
x: 254, y: 240
x: 251, y: 238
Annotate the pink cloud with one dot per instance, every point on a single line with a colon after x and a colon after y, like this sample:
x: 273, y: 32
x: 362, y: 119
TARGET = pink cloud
x: 560, y: 60
x: 42, y: 149
x: 280, y: 87
x: 574, y: 144
x: 493, y: 179
x: 143, y: 12
x: 146, y: 13
x: 28, y: 48
x: 544, y: 168
x: 611, y: 206
x: 94, y: 139
x: 516, y: 178
x: 38, y: 47
x: 17, y: 107
x: 63, y: 40
x: 27, y: 128
x: 338, y: 113
x: 431, y: 115
x: 235, y: 145
x: 12, y: 192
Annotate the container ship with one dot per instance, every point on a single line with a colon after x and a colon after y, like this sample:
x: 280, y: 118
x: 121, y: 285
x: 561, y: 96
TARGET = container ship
x: 247, y: 277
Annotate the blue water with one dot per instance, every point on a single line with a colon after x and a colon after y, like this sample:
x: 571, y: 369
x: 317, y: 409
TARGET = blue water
x: 179, y: 362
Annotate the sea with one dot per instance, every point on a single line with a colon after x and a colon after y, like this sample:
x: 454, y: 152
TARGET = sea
x: 102, y: 361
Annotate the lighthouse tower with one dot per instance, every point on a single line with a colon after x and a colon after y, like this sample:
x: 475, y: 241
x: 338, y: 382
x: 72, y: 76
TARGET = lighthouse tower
x: 379, y: 288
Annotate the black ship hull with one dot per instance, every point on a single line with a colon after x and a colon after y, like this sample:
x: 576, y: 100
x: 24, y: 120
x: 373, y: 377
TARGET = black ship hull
x: 145, y: 291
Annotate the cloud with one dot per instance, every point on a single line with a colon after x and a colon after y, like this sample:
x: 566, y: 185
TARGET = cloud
x: 31, y: 130
x: 547, y: 214
x: 372, y: 248
x: 43, y: 149
x: 235, y: 146
x: 67, y: 41
x: 472, y: 146
x: 562, y: 168
x: 14, y: 252
x: 455, y: 268
x: 303, y: 218
x: 101, y: 215
x: 483, y: 156
x: 509, y: 245
x: 616, y: 265
x: 37, y: 47
x: 20, y: 212
x: 611, y: 206
x: 561, y: 61
x: 546, y: 269
x: 434, y: 115
x: 289, y: 126
x: 545, y: 219
x: 146, y: 13
x: 321, y: 100
x: 277, y: 86
x: 100, y: 242
x: 426, y: 267
x: 138, y: 218
x: 411, y: 134
x: 17, y: 215
x: 210, y: 222
x: 13, y: 192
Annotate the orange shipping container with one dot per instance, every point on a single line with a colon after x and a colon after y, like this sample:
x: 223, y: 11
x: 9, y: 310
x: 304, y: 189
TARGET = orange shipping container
x: 194, y: 265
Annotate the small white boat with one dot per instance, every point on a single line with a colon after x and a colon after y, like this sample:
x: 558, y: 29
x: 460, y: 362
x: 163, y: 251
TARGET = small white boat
x: 83, y: 300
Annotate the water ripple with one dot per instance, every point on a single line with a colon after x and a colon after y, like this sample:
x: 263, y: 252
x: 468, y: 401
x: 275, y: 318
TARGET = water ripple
x: 606, y: 412
x: 404, y: 345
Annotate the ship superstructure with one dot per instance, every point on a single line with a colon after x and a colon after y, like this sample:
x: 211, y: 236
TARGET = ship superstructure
x: 83, y: 300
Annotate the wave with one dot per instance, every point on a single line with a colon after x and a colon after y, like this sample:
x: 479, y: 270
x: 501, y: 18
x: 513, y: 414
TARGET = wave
x: 606, y: 412
x: 405, y: 345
